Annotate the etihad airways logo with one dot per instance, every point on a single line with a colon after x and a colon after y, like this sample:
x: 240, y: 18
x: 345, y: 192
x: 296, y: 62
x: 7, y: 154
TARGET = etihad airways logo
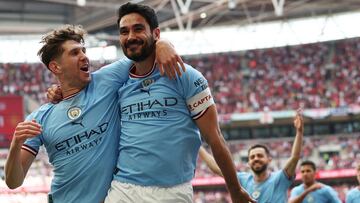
x: 149, y: 104
x: 82, y: 138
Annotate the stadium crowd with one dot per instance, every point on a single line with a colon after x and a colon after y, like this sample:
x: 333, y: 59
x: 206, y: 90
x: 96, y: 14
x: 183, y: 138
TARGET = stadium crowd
x: 311, y: 76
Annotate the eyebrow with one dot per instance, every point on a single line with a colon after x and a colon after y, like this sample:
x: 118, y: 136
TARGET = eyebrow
x: 135, y: 25
x: 76, y: 49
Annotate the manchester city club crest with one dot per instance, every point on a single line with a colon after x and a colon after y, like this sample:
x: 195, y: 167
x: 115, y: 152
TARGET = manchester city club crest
x: 256, y: 194
x: 310, y: 199
x: 147, y: 82
x: 74, y: 113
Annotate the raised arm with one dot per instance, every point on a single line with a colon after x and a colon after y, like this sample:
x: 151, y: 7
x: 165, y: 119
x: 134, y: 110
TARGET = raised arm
x: 297, y: 145
x: 18, y: 161
x: 210, y: 161
x: 209, y: 128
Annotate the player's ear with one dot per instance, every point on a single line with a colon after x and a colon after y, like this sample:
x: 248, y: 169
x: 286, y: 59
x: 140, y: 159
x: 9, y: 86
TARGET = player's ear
x: 54, y: 67
x: 156, y: 33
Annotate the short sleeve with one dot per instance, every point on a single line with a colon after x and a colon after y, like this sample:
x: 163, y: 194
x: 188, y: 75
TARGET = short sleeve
x: 33, y: 144
x: 294, y: 193
x: 196, y: 92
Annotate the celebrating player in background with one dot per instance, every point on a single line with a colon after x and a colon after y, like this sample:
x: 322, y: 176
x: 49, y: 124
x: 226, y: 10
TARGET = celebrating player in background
x: 312, y: 191
x: 80, y: 133
x: 353, y: 196
x: 263, y: 185
x: 161, y: 119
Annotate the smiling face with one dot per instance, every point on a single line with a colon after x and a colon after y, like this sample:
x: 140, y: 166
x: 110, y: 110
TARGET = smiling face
x: 136, y: 38
x: 72, y: 66
x: 258, y: 160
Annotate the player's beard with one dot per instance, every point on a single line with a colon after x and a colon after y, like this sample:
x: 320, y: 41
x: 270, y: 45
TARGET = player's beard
x: 148, y: 47
x: 259, y: 170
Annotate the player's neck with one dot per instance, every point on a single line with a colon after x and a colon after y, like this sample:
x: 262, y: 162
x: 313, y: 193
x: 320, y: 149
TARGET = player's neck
x: 68, y: 91
x: 145, y: 66
x: 307, y: 185
x: 261, y: 177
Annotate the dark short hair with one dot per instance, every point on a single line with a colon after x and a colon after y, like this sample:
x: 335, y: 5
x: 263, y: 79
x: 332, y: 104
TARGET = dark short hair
x: 308, y: 163
x: 53, y: 41
x: 145, y: 11
x: 259, y: 146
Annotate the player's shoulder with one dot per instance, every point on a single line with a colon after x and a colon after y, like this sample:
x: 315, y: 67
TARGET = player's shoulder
x: 190, y: 69
x: 116, y: 65
x: 298, y: 188
x: 327, y: 187
x: 41, y: 111
x: 353, y: 194
x: 193, y: 76
x: 244, y: 175
x: 45, y: 107
x: 325, y: 190
x: 119, y: 63
x: 354, y: 190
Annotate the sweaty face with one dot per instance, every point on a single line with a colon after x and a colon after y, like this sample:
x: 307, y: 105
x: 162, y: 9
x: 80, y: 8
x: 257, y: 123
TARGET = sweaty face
x: 307, y: 174
x: 258, y: 160
x: 136, y: 38
x: 74, y: 65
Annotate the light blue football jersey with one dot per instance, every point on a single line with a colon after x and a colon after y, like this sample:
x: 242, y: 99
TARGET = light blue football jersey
x: 353, y: 196
x: 273, y: 189
x: 323, y: 195
x: 81, y: 136
x: 159, y: 139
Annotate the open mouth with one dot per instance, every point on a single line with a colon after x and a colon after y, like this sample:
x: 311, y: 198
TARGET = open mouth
x: 85, y: 68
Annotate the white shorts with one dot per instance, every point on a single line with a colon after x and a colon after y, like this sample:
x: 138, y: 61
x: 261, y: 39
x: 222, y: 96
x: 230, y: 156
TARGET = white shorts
x: 130, y: 193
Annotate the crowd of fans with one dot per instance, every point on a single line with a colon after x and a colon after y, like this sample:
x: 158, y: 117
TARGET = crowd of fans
x: 310, y: 76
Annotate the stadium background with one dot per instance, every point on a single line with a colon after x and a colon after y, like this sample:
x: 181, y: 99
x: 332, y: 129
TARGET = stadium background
x: 263, y: 59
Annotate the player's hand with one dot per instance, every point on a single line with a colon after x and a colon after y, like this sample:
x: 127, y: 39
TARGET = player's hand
x: 168, y: 60
x: 54, y: 94
x: 242, y: 197
x: 315, y: 186
x: 25, y: 130
x: 299, y: 121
